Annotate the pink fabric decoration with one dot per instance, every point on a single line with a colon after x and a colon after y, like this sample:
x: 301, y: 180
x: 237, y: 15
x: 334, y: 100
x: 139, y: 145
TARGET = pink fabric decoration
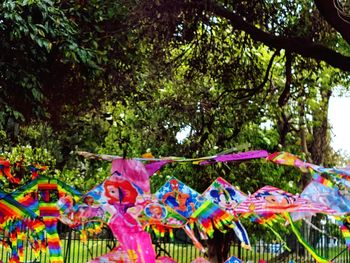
x: 132, y: 170
x: 136, y: 242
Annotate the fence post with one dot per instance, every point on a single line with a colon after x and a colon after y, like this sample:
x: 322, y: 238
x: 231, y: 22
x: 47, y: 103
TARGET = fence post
x: 68, y: 246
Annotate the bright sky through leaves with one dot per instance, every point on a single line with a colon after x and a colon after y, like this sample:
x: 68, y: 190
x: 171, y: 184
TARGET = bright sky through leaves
x: 339, y: 117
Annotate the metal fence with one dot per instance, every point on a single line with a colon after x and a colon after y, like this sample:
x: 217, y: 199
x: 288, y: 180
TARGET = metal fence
x: 329, y: 244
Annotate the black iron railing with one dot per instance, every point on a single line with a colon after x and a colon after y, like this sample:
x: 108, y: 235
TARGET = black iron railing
x: 329, y: 244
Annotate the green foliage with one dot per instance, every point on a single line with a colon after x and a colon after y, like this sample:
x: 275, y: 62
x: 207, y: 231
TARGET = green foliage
x: 21, y: 157
x: 127, y: 77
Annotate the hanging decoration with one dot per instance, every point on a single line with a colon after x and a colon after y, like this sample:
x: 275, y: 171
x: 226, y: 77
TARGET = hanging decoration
x: 179, y: 197
x: 227, y: 197
x: 5, y: 172
x: 116, y: 195
x: 210, y: 216
x: 41, y: 196
x: 271, y: 200
x: 124, y: 202
x: 233, y: 259
x: 285, y: 158
x: 158, y: 217
x: 268, y: 201
x: 48, y: 197
x: 20, y: 222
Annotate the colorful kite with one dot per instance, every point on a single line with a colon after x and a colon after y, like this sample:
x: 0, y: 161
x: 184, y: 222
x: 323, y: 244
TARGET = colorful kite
x: 193, y: 206
x: 210, y: 215
x: 41, y: 196
x: 227, y: 197
x: 233, y: 259
x: 159, y: 217
x: 19, y: 222
x: 269, y: 201
x: 119, y: 193
x: 322, y: 191
x: 179, y: 197
x: 10, y: 208
x: 272, y: 200
x: 289, y: 159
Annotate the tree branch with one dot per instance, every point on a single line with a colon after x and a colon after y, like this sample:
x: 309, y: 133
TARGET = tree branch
x: 330, y: 13
x: 300, y: 46
x: 283, y: 99
x: 250, y: 92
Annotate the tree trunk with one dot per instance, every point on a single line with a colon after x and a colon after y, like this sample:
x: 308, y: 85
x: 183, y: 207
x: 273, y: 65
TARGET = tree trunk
x: 320, y: 138
x: 219, y: 246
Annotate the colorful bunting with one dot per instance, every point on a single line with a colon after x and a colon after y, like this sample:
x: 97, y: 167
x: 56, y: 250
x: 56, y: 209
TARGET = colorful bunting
x: 123, y: 201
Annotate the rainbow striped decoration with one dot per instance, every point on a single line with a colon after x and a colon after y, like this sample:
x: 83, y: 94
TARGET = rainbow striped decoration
x: 53, y: 240
x: 18, y: 228
x: 318, y: 178
x: 27, y: 196
x: 210, y: 215
x: 344, y: 229
x: 158, y: 230
x: 35, y: 168
x: 5, y: 171
x: 346, y: 234
x: 13, y: 240
x: 10, y: 208
x: 37, y: 236
x: 66, y: 190
x: 48, y: 197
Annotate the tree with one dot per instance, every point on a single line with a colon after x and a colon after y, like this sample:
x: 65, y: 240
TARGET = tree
x: 301, y: 27
x: 124, y: 77
x: 55, y: 59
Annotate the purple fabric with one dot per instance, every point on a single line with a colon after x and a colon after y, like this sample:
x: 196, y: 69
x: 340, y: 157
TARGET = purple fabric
x: 155, y: 166
x: 239, y: 156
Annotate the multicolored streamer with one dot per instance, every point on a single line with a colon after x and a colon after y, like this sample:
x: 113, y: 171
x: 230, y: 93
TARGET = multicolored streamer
x: 210, y: 215
x: 53, y: 240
